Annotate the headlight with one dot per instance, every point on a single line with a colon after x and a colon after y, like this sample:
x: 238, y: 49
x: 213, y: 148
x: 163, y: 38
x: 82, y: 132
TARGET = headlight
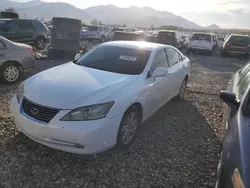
x: 19, y: 93
x: 92, y: 112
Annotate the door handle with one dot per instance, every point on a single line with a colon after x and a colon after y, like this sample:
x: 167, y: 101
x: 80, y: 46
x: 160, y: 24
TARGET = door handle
x: 169, y: 75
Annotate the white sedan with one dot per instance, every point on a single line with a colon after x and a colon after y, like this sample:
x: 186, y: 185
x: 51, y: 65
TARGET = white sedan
x: 98, y: 102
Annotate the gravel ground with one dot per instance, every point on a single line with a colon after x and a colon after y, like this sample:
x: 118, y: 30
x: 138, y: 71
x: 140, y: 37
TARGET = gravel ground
x: 178, y: 147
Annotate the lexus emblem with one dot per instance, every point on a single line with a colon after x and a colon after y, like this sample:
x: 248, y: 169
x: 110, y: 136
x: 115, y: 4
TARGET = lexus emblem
x: 34, y: 111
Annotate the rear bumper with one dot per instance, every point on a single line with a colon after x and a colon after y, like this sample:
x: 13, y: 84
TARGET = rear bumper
x: 28, y: 63
x: 236, y: 51
x: 198, y: 50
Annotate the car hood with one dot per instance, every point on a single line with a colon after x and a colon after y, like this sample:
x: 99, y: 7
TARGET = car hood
x: 70, y: 86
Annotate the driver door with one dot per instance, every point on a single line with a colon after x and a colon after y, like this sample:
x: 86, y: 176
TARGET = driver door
x: 160, y: 86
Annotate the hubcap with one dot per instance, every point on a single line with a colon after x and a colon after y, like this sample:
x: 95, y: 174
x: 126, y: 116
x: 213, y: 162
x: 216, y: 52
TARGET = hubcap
x: 41, y: 44
x: 11, y: 73
x: 129, y: 127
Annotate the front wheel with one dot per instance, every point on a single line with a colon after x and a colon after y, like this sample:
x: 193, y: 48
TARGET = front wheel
x: 128, y: 128
x: 182, y: 91
x: 102, y: 38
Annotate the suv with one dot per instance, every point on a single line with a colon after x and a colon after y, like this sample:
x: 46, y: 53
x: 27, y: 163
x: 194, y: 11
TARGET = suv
x: 31, y: 32
x: 97, y: 32
x: 201, y: 42
x: 236, y: 44
x: 172, y: 38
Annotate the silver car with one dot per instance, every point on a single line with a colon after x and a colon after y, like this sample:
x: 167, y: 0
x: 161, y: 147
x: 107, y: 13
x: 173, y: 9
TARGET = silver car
x: 15, y: 60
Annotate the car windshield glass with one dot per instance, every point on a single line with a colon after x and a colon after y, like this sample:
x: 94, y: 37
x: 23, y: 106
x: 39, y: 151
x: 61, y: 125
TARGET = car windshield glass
x: 166, y: 34
x: 116, y: 59
x: 203, y: 37
x: 92, y: 28
x: 241, y: 40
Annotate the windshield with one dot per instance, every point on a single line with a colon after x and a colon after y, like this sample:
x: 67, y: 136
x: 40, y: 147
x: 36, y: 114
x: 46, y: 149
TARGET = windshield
x: 92, y: 28
x: 116, y: 59
x: 166, y: 34
x: 204, y: 37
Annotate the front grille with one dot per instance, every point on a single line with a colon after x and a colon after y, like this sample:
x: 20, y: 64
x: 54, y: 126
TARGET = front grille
x: 39, y: 112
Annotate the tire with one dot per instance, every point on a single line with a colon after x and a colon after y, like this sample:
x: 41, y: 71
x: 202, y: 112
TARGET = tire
x: 40, y: 43
x: 103, y: 38
x: 10, y: 73
x: 219, y: 172
x: 188, y: 51
x: 223, y: 54
x: 182, y: 90
x: 209, y: 53
x: 121, y: 141
x: 246, y: 56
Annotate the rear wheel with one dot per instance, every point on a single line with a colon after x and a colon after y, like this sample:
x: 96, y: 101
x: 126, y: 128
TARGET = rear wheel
x: 40, y: 43
x: 128, y: 127
x: 10, y: 72
x: 103, y: 38
x: 246, y: 56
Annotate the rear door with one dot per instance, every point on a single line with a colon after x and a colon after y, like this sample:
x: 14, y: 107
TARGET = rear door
x: 175, y: 70
x: 26, y: 31
x: 11, y: 30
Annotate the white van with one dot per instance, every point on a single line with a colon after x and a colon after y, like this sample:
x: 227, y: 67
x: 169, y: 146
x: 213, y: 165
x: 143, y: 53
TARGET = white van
x: 201, y: 42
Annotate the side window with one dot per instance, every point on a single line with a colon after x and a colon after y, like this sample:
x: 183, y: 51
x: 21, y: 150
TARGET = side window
x: 160, y: 60
x: 243, y: 71
x: 243, y: 85
x: 2, y: 46
x: 26, y: 27
x: 11, y: 27
x: 173, y: 56
x: 100, y: 29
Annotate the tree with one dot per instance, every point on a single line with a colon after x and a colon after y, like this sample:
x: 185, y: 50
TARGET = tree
x: 10, y: 9
x: 94, y: 22
x: 83, y: 24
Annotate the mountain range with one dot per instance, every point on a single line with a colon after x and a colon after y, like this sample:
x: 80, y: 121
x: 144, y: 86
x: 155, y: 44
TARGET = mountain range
x: 131, y: 16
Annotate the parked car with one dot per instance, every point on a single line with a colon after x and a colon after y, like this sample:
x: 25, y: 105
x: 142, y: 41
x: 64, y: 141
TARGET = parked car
x: 169, y: 37
x: 201, y: 42
x: 126, y: 36
x: 104, y: 96
x: 236, y: 44
x: 97, y: 33
x: 15, y: 59
x: 234, y: 164
x: 31, y: 32
x: 215, y: 41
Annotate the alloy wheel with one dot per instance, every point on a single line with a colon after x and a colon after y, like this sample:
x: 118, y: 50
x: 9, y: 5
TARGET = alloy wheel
x: 11, y: 73
x: 129, y: 127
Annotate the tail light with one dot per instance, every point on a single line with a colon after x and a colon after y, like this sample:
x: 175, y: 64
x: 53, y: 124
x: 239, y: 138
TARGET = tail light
x: 31, y: 51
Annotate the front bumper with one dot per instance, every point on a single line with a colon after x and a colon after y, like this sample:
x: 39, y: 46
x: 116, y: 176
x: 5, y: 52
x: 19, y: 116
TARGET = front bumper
x: 28, y: 63
x: 81, y: 137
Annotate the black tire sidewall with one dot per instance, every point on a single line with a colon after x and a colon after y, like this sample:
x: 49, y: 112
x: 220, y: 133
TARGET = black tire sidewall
x: 119, y: 142
x: 36, y: 42
x: 4, y: 67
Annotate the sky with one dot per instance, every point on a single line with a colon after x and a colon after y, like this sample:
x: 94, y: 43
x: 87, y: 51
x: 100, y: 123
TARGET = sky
x: 226, y: 13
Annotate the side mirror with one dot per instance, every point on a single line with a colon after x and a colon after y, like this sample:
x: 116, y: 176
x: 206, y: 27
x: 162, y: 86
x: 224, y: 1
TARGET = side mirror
x: 160, y: 72
x: 78, y: 56
x: 229, y: 98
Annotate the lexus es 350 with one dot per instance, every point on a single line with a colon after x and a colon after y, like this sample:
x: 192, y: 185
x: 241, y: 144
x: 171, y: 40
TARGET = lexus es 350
x: 98, y: 102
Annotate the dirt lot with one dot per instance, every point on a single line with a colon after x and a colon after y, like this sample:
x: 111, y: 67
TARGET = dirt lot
x: 177, y: 147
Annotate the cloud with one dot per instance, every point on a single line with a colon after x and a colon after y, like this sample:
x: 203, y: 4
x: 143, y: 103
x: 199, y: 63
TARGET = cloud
x: 228, y: 2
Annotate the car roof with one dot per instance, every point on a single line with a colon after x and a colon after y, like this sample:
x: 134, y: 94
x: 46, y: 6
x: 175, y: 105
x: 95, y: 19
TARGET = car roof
x: 239, y: 35
x: 135, y: 44
x: 167, y: 31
